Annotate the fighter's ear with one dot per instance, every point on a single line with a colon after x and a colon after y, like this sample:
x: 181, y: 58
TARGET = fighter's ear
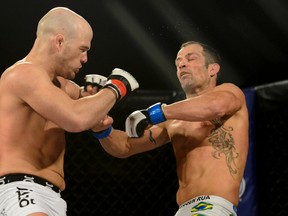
x: 59, y: 39
x: 213, y: 69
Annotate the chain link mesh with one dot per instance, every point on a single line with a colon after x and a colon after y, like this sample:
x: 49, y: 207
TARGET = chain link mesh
x: 272, y: 160
x: 99, y: 184
x: 146, y: 184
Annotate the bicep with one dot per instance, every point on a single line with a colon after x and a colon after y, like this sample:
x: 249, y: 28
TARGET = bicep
x: 232, y: 97
x: 44, y: 97
x: 224, y: 100
x: 71, y: 88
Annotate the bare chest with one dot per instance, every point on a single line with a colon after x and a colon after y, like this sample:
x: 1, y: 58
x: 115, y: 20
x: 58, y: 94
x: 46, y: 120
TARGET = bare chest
x: 194, y: 132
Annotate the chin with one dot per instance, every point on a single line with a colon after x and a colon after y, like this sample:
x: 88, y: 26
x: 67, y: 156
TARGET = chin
x: 72, y: 76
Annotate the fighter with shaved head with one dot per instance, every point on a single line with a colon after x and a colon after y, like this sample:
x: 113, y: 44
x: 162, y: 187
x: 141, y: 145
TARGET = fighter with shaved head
x: 39, y: 102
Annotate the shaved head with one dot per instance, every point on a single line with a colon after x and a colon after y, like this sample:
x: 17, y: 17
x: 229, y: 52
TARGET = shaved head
x: 64, y: 37
x: 61, y: 20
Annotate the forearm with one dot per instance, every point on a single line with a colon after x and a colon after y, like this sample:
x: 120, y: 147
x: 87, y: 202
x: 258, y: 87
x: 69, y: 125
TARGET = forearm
x: 113, y: 89
x: 116, y: 144
x: 84, y: 113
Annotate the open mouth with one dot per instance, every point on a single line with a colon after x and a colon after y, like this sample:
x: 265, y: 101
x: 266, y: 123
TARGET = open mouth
x: 184, y: 74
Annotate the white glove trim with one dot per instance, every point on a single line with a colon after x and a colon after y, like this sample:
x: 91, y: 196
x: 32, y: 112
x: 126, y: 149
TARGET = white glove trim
x: 132, y: 121
x: 132, y: 81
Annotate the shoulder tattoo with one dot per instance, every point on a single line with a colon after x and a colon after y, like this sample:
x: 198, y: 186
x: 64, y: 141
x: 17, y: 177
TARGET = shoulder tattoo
x: 223, y: 143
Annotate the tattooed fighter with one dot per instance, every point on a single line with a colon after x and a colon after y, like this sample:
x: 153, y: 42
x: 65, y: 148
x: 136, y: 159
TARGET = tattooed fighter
x: 208, y: 131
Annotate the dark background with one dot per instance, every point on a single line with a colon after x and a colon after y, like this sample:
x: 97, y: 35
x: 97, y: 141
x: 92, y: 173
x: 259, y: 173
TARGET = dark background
x: 144, y: 36
x: 145, y: 184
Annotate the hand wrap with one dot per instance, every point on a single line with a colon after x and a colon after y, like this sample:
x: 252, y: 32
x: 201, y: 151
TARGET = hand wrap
x: 137, y: 122
x: 102, y: 134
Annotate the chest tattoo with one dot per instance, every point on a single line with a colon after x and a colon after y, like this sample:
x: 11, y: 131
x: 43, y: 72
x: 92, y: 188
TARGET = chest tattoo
x: 223, y: 143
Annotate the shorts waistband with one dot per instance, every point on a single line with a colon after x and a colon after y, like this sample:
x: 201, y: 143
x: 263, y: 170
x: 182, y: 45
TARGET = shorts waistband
x: 215, y: 199
x: 6, y: 179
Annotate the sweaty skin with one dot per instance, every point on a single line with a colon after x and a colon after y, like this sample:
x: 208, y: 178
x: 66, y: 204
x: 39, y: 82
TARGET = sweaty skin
x: 208, y: 131
x: 39, y: 102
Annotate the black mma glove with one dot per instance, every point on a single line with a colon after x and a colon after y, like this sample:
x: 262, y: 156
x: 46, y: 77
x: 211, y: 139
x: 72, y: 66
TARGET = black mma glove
x: 137, y: 122
x: 121, y: 82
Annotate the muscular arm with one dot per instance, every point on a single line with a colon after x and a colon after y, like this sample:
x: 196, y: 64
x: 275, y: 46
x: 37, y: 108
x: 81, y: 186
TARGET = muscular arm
x: 120, y: 145
x: 34, y: 87
x: 223, y: 101
x: 70, y: 87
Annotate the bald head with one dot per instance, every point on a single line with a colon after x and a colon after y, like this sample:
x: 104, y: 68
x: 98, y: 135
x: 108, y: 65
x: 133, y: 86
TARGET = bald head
x: 61, y: 20
x: 62, y: 43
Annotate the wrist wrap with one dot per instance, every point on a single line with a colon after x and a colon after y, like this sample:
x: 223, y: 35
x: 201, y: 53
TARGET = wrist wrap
x: 156, y: 113
x: 102, y: 134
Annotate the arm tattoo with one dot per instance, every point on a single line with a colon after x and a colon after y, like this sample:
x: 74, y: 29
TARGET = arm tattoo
x: 223, y: 143
x: 152, y: 140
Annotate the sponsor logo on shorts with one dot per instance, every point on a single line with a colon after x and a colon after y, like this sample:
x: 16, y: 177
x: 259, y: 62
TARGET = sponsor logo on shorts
x: 198, y: 214
x: 196, y: 199
x: 24, y: 197
x: 3, y: 212
x: 2, y: 180
x: 202, y: 206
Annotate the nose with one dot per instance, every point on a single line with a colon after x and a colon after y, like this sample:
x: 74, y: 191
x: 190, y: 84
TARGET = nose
x: 84, y: 58
x: 181, y: 64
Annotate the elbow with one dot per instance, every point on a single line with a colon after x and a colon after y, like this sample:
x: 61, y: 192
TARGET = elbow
x: 116, y: 152
x: 121, y: 156
x: 76, y: 125
x: 121, y: 153
x: 118, y: 148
